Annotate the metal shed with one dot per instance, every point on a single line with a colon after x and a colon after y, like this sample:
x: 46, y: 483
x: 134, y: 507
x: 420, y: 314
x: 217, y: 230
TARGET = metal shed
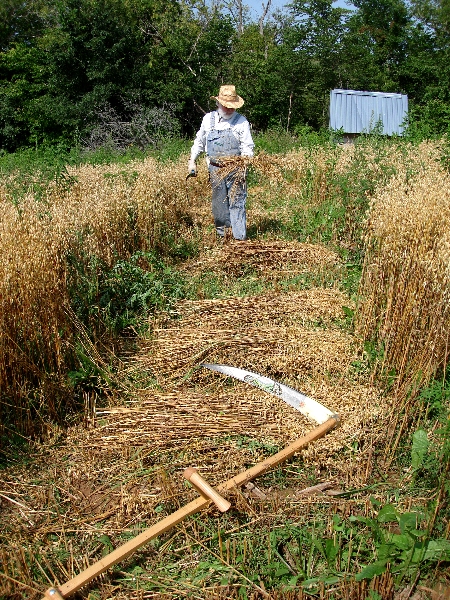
x: 360, y: 112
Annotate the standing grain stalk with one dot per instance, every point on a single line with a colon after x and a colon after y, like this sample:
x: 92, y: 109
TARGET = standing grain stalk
x: 404, y: 308
x: 108, y: 213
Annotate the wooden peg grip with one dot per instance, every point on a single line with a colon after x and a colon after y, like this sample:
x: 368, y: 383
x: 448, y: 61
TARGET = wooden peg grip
x: 203, y: 487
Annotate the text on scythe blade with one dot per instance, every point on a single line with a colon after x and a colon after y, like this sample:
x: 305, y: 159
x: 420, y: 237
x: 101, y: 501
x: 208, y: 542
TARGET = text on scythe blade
x: 272, y: 388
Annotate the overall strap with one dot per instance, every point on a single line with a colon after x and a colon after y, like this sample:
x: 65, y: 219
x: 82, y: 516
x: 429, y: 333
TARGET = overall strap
x: 234, y: 118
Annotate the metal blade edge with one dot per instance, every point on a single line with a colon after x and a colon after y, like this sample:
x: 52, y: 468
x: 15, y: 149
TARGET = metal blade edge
x: 304, y: 404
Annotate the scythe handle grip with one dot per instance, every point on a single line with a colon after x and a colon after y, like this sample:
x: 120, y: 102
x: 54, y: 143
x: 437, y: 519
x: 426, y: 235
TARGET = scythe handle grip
x: 204, y: 488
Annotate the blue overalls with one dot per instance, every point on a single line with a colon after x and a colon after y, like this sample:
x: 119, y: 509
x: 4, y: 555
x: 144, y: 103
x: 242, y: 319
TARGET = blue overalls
x: 228, y: 195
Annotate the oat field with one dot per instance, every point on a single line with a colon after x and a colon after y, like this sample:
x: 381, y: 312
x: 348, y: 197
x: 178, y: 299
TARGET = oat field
x: 341, y: 292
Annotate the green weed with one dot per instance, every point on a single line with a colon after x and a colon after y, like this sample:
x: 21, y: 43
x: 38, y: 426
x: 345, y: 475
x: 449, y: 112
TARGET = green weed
x: 30, y: 171
x: 210, y: 285
x: 290, y: 555
x: 407, y: 548
x: 278, y: 141
x: 275, y: 141
x: 119, y: 297
x: 429, y: 452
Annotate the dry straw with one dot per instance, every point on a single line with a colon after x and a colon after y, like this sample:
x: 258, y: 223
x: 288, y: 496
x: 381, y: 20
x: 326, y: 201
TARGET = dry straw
x: 274, y: 260
x: 273, y: 334
x: 126, y: 466
x: 269, y: 165
x: 313, y: 169
x: 110, y: 212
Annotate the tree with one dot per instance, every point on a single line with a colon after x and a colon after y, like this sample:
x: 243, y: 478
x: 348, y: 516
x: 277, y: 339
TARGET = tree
x: 22, y: 22
x: 95, y: 56
x: 435, y: 14
x: 428, y: 65
x: 376, y: 44
x: 316, y: 39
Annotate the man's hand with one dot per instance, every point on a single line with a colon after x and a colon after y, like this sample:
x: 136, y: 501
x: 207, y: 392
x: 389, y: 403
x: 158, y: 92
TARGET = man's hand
x: 192, y: 168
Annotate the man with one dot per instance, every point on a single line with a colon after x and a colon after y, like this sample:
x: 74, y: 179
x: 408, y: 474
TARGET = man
x: 224, y: 132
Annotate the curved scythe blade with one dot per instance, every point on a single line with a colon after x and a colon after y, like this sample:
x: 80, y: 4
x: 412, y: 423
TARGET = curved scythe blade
x: 307, y: 406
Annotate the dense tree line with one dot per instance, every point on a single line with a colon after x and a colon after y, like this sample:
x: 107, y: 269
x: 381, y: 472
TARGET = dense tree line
x: 133, y: 71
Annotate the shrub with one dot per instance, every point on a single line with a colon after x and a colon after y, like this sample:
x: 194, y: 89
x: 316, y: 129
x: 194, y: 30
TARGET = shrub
x: 118, y: 297
x: 144, y: 127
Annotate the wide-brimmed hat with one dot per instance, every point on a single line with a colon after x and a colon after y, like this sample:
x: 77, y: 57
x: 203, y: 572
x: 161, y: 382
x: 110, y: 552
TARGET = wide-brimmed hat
x: 228, y: 97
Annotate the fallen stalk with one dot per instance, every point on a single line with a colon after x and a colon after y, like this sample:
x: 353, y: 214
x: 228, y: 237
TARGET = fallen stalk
x: 124, y: 551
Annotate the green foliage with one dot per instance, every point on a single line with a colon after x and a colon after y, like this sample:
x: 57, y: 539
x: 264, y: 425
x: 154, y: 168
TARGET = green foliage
x: 335, y: 203
x: 21, y: 22
x: 430, y: 443
x: 90, y: 55
x: 312, y: 556
x: 429, y: 120
x: 33, y: 169
x: 175, y: 247
x: 107, y: 154
x: 119, y: 297
x: 406, y: 551
x: 171, y: 149
x: 275, y: 141
x: 88, y: 376
x: 419, y: 448
x: 309, y: 137
x: 211, y: 285
x: 66, y: 66
x: 279, y: 141
x: 316, y: 36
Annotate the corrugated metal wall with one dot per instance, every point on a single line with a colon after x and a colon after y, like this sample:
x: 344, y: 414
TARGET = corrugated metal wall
x: 359, y: 112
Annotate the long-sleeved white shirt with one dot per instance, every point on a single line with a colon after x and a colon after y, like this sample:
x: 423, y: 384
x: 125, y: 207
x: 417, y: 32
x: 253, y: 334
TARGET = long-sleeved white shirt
x: 240, y: 128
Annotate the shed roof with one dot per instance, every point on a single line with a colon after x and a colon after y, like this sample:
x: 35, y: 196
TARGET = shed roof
x: 360, y: 112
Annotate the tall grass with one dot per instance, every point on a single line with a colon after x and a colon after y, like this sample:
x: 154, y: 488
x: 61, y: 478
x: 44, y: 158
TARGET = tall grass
x: 91, y: 243
x: 100, y: 216
x: 69, y: 239
x: 34, y: 331
x: 404, y: 310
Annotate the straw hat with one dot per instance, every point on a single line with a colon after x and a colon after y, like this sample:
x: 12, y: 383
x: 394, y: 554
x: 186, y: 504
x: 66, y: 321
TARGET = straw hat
x: 228, y: 97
